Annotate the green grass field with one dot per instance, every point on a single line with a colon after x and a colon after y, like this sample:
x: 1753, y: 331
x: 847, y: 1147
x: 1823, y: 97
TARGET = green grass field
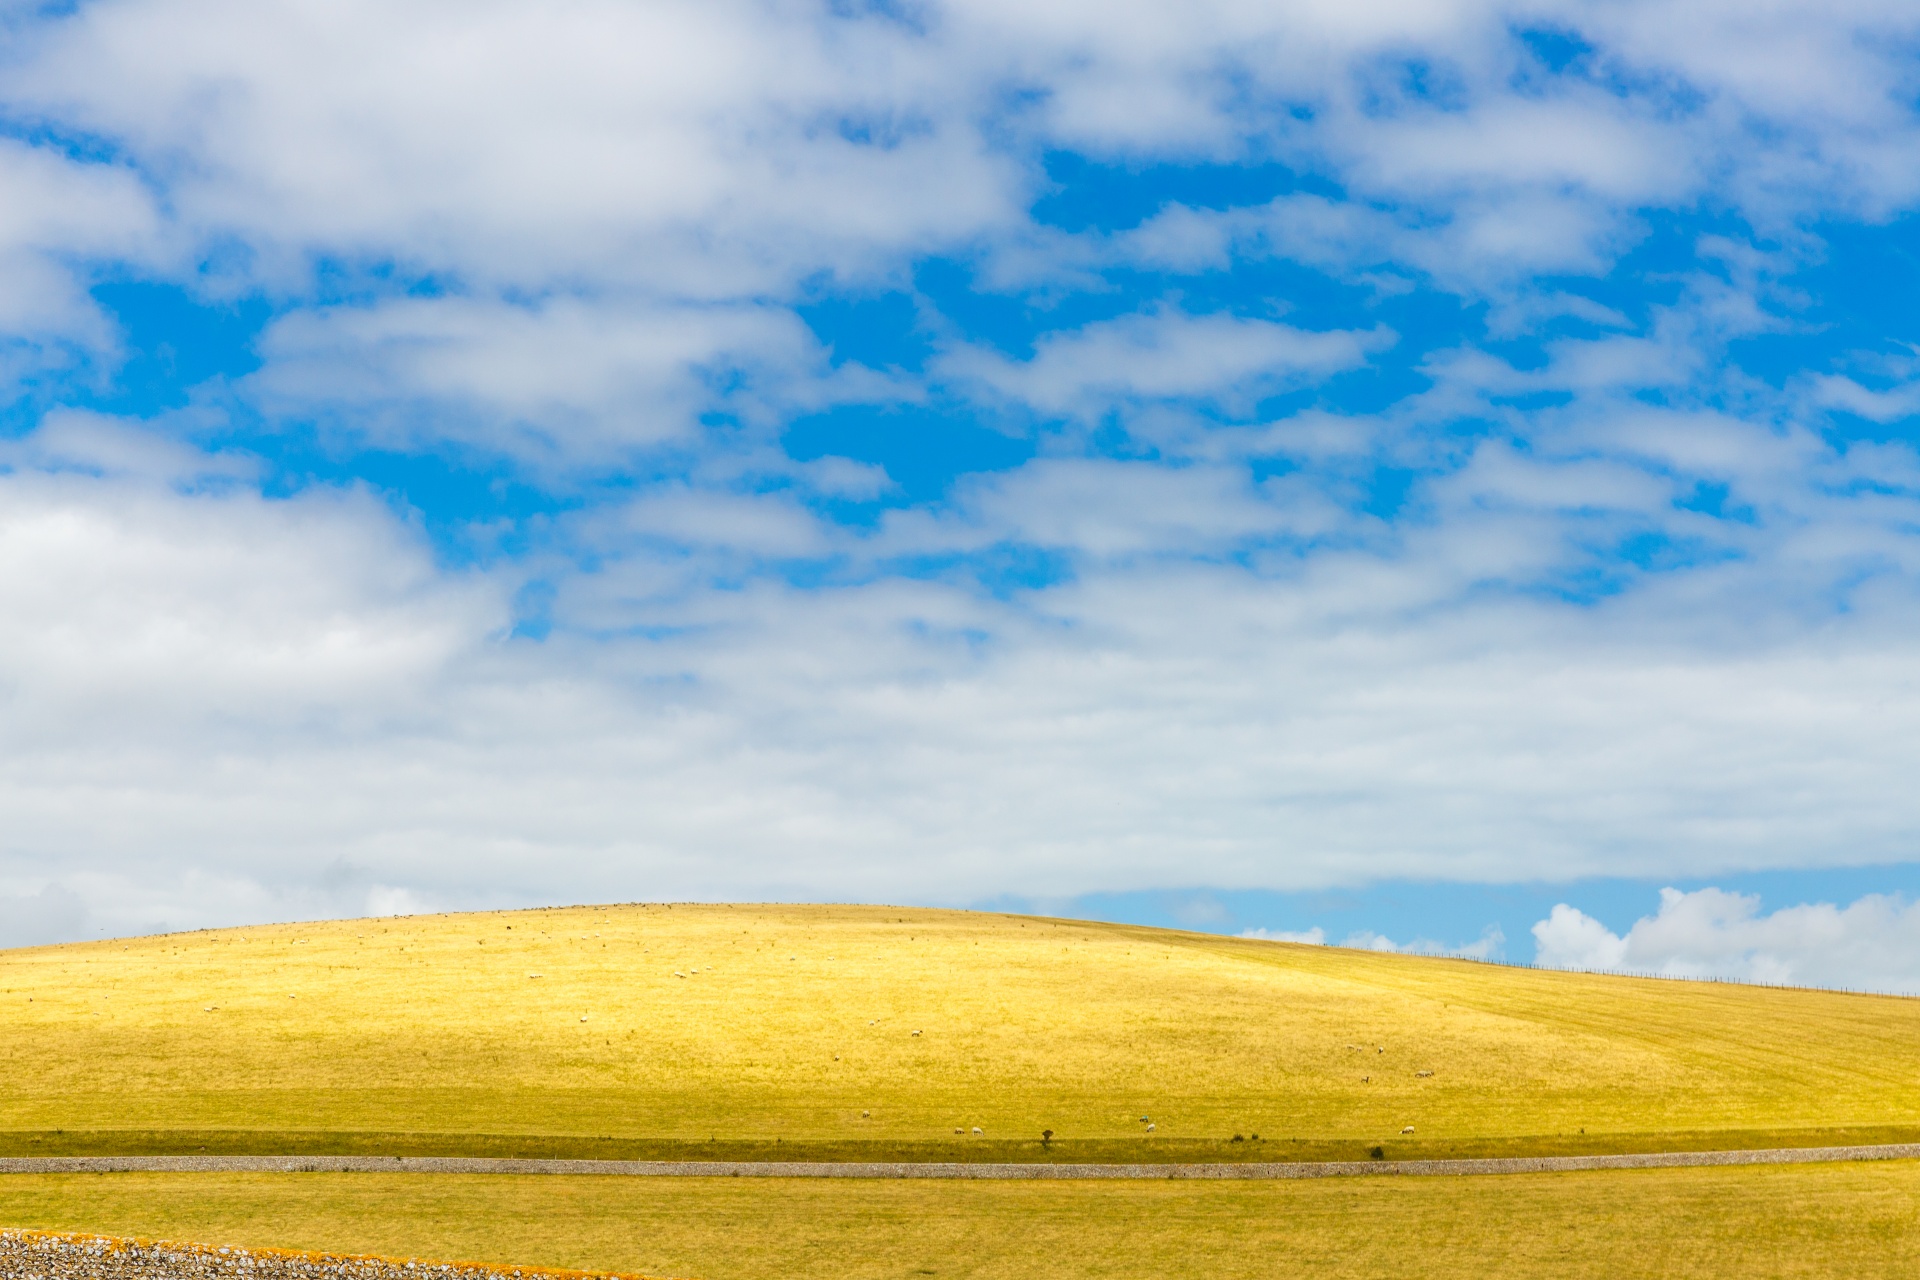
x: 857, y: 1031
x: 1859, y: 1220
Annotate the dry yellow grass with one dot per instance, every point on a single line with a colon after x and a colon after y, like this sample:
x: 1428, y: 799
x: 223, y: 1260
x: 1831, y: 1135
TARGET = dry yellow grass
x: 1812, y: 1221
x: 867, y: 1026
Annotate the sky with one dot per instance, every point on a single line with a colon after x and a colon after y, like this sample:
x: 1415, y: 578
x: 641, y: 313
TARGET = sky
x: 1429, y: 474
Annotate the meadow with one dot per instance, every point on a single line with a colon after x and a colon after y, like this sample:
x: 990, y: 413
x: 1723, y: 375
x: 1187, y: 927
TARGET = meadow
x: 1858, y: 1220
x: 863, y: 1032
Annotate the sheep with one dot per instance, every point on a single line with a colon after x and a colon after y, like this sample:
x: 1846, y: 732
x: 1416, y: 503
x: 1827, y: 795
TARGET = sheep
x: 1149, y: 1128
x: 977, y: 1130
x: 1421, y: 1075
x: 1408, y: 1129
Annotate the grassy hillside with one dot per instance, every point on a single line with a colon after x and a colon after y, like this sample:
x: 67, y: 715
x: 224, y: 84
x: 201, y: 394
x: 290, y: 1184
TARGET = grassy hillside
x: 855, y: 1031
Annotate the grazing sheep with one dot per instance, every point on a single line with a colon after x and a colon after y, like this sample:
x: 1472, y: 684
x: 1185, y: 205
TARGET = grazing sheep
x: 1149, y: 1128
x: 1408, y: 1129
x: 976, y: 1129
x: 1421, y: 1075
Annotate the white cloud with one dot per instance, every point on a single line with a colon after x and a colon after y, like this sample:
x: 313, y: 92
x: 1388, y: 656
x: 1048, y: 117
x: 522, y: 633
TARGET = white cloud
x: 1902, y: 400
x: 614, y: 198
x: 129, y: 604
x: 1872, y: 943
x: 582, y: 141
x: 614, y: 209
x: 1107, y: 509
x: 288, y: 699
x: 1314, y: 937
x: 1490, y: 945
x: 59, y: 211
x: 567, y: 381
x: 1163, y: 356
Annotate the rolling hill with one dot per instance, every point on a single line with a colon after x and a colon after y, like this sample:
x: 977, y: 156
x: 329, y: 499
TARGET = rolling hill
x: 867, y: 1032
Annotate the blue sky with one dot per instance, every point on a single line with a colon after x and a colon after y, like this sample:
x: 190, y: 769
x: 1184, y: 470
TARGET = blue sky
x: 1430, y: 474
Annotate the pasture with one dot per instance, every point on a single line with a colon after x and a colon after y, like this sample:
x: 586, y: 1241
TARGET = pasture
x: 1858, y: 1220
x: 865, y: 1032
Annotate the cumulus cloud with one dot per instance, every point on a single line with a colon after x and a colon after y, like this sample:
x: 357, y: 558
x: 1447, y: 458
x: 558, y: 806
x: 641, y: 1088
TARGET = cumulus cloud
x: 1104, y: 509
x: 568, y: 382
x: 195, y: 677
x: 130, y: 603
x: 59, y: 211
x: 1871, y: 944
x: 1601, y: 606
x: 519, y: 148
x: 612, y: 199
x: 1490, y: 945
x: 1163, y: 356
x: 1314, y: 937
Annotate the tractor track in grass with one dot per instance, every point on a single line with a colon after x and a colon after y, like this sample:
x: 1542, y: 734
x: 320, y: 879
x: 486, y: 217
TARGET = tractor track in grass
x: 1249, y: 1170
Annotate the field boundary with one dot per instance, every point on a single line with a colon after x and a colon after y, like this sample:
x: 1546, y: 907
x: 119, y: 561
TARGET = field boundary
x: 950, y: 1170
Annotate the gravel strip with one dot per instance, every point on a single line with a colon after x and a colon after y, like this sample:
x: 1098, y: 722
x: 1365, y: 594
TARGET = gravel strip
x: 49, y: 1255
x: 797, y: 1169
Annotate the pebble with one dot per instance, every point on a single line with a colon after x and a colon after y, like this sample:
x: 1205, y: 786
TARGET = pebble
x: 38, y: 1255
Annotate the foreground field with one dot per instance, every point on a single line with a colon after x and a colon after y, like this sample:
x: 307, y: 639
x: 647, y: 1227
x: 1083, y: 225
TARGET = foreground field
x: 1810, y: 1220
x: 864, y: 1032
